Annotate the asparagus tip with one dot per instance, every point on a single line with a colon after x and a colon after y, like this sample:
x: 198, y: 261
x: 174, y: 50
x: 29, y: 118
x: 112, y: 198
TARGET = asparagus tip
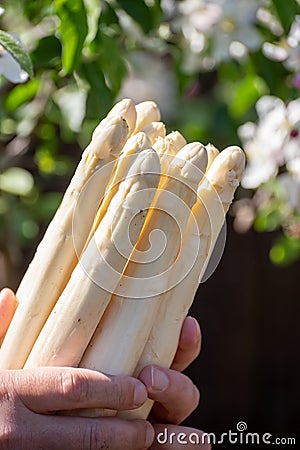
x: 109, y: 136
x: 126, y: 109
x: 192, y: 161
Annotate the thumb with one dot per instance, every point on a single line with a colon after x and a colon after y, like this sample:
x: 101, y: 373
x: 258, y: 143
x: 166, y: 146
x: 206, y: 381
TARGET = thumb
x: 8, y: 303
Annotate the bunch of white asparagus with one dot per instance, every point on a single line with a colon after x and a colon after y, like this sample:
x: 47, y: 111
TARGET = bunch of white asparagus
x: 119, y: 265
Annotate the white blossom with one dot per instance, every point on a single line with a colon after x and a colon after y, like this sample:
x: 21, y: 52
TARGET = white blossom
x: 272, y: 142
x: 287, y: 50
x: 210, y: 27
x: 269, y: 20
x: 293, y: 166
x: 291, y: 188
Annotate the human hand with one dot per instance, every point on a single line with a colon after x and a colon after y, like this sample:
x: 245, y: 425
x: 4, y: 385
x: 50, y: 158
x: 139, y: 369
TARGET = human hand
x: 175, y: 395
x: 172, y: 404
x: 7, y: 308
x: 29, y: 399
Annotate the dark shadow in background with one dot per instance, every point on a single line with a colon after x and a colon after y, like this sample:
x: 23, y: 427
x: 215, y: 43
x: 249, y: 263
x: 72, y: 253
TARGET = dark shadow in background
x: 248, y: 370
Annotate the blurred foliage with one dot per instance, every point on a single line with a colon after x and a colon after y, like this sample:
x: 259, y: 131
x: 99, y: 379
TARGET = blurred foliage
x: 88, y: 53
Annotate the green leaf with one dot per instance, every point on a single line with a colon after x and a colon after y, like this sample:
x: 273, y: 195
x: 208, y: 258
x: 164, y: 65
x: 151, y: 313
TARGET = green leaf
x: 47, y: 55
x: 21, y: 94
x: 268, y: 222
x: 100, y: 97
x: 245, y: 94
x: 4, y: 206
x: 29, y: 229
x: 16, y: 181
x: 156, y: 10
x: 140, y: 13
x: 22, y: 225
x: 50, y: 164
x: 272, y: 73
x: 17, y: 52
x: 110, y: 51
x: 73, y: 30
x: 47, y: 205
x: 37, y: 10
x: 285, y: 251
x: 286, y: 11
x: 108, y: 15
x: 270, y: 217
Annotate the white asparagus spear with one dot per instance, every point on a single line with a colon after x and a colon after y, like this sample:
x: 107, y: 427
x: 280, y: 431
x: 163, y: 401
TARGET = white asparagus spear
x: 114, y: 336
x: 170, y: 144
x: 56, y: 256
x: 168, y: 147
x: 76, y: 314
x: 146, y: 112
x: 135, y: 144
x: 126, y: 109
x: 176, y: 140
x: 155, y: 130
x: 215, y: 195
x: 212, y: 153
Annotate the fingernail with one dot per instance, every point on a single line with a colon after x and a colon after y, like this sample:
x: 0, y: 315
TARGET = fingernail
x: 149, y: 435
x: 140, y: 394
x: 159, y: 380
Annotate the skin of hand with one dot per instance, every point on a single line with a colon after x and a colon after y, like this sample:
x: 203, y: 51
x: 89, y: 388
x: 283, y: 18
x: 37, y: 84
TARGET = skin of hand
x: 175, y: 395
x: 29, y: 399
x: 7, y: 309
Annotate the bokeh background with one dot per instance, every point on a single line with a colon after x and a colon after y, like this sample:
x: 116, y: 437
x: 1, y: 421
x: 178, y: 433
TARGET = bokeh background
x: 221, y: 71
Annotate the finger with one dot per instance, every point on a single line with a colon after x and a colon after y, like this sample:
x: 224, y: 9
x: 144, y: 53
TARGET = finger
x: 54, y: 388
x: 189, y: 344
x: 175, y: 394
x: 7, y: 309
x: 171, y: 437
x: 60, y: 433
